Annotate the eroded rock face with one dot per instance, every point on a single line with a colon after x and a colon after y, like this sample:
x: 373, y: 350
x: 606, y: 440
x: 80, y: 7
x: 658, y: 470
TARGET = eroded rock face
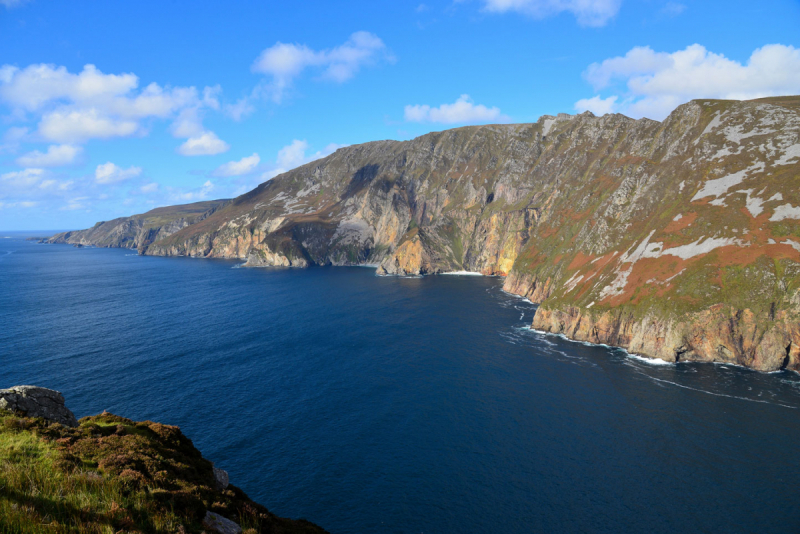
x: 33, y: 401
x: 220, y: 525
x: 658, y: 235
x: 721, y: 334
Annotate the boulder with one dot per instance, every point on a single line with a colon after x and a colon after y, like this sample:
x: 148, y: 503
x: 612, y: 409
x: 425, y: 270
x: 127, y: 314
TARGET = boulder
x: 217, y: 523
x: 221, y: 478
x: 33, y: 401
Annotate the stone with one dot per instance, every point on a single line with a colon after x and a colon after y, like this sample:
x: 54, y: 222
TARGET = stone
x: 34, y: 401
x: 217, y: 523
x: 221, y: 478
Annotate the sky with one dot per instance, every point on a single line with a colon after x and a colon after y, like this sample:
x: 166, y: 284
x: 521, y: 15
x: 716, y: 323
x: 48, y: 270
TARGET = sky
x: 113, y: 108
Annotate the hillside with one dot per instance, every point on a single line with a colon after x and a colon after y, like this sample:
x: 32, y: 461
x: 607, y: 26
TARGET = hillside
x: 676, y: 239
x: 109, y: 474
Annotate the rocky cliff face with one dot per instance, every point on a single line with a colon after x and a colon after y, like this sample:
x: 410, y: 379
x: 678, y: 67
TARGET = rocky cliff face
x: 676, y: 239
x: 140, y: 230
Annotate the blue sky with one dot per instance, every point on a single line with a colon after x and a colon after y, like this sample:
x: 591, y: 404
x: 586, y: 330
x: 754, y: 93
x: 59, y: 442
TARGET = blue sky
x: 114, y: 108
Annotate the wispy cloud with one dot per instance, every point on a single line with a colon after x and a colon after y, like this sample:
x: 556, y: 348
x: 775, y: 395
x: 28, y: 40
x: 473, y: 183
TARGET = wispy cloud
x: 462, y: 111
x: 673, y: 9
x: 283, y: 62
x: 109, y: 173
x: 586, y: 12
x: 205, y: 144
x: 56, y: 156
x: 241, y: 167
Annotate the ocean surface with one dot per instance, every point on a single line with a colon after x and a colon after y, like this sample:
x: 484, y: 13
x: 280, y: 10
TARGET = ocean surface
x: 401, y: 405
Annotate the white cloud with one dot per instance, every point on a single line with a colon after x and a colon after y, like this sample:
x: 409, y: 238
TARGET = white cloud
x: 293, y: 155
x: 81, y: 125
x: 656, y: 82
x: 33, y: 87
x: 211, y: 96
x: 108, y: 173
x: 462, y: 111
x: 201, y: 193
x: 206, y: 144
x: 91, y: 104
x: 241, y: 109
x: 597, y: 105
x: 188, y: 123
x: 149, y: 188
x: 31, y: 182
x: 245, y: 165
x: 26, y: 178
x: 76, y: 203
x: 587, y: 12
x: 56, y: 155
x: 284, y: 62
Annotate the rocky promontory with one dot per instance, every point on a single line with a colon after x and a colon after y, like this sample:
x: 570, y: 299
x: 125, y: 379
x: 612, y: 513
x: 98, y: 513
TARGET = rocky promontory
x: 108, y: 473
x: 139, y: 230
x: 677, y: 239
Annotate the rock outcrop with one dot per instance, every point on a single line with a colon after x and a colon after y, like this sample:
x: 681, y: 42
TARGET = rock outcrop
x: 221, y: 478
x: 721, y: 334
x: 217, y: 523
x: 138, y: 231
x: 649, y: 235
x: 33, y: 401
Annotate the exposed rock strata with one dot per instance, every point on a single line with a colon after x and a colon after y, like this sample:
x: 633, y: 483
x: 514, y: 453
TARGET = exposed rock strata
x: 657, y: 234
x: 720, y: 334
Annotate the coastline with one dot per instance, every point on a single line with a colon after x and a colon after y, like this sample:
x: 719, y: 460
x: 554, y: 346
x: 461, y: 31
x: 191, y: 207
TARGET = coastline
x: 667, y: 344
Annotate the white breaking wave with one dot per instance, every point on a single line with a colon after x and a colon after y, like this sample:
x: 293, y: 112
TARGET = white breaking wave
x: 526, y: 299
x: 644, y: 359
x: 633, y: 356
x: 463, y: 273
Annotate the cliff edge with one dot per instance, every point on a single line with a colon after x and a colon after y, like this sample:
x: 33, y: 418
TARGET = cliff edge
x: 107, y: 473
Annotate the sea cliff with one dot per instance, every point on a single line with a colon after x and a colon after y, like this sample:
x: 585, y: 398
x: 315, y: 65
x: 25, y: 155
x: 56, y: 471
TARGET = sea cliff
x: 677, y: 239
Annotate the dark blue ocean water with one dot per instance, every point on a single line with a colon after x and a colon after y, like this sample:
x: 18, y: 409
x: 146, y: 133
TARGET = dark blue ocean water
x: 401, y: 405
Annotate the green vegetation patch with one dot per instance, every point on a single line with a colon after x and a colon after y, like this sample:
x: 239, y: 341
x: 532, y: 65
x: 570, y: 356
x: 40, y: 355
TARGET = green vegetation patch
x: 114, y: 475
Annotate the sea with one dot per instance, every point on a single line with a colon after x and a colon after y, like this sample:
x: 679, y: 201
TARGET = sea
x: 371, y: 404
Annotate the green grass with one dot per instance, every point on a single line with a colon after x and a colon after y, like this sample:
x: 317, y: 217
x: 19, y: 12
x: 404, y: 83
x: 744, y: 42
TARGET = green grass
x: 114, y: 475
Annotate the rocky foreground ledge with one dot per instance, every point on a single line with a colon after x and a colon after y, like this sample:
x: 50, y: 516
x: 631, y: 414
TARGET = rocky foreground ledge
x: 107, y: 473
